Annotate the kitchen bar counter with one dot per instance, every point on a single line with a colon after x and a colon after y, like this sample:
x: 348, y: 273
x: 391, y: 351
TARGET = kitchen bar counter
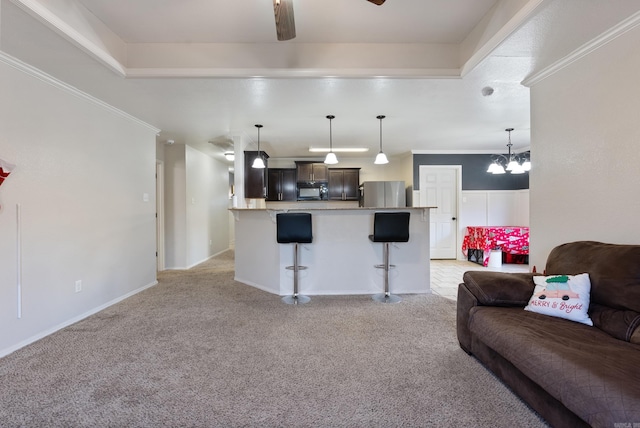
x: 341, y: 258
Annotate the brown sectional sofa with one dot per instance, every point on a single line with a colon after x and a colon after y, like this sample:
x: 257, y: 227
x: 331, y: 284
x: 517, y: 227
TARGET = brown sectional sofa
x: 570, y: 373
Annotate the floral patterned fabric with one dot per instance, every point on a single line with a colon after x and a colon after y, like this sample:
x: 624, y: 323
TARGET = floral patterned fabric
x: 509, y: 239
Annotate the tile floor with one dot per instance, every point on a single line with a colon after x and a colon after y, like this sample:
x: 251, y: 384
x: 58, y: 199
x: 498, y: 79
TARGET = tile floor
x: 447, y: 274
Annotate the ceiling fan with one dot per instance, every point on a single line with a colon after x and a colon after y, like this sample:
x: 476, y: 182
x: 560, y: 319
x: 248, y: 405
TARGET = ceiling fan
x: 285, y: 23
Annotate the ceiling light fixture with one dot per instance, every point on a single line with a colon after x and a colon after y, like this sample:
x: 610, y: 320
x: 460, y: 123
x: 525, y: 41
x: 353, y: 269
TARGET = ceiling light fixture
x: 381, y: 158
x: 230, y: 156
x: 258, y: 162
x: 331, y: 158
x: 514, y: 163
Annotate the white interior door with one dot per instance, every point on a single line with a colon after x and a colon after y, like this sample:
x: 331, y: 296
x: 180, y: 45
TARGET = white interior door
x: 439, y: 188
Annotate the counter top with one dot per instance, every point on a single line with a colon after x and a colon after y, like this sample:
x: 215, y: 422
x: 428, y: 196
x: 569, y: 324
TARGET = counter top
x: 333, y: 209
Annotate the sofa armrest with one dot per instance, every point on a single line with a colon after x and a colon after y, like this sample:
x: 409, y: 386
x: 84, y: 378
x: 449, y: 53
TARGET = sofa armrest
x: 482, y: 288
x: 465, y: 301
x: 621, y: 324
x: 500, y: 288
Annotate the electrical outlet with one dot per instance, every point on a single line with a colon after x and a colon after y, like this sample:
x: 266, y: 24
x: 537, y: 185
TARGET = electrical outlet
x: 78, y: 286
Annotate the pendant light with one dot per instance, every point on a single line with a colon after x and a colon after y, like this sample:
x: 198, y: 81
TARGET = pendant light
x: 381, y: 158
x: 258, y: 162
x: 331, y: 158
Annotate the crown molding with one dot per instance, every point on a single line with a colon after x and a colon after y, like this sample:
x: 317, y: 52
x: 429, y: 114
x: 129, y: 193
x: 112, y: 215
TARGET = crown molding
x: 468, y: 152
x: 505, y: 31
x: 452, y: 152
x: 611, y: 34
x: 37, y: 10
x: 50, y: 80
x: 408, y: 73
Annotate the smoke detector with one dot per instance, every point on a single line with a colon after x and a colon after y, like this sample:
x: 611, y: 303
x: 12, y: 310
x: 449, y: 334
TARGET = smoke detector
x: 487, y: 91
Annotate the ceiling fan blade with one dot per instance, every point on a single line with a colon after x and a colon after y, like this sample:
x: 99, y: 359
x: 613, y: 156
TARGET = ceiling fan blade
x: 378, y: 2
x: 285, y: 23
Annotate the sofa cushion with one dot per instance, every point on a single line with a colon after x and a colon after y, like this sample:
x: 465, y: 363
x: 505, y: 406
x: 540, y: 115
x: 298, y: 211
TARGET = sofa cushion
x: 594, y: 375
x: 614, y: 270
x: 562, y: 296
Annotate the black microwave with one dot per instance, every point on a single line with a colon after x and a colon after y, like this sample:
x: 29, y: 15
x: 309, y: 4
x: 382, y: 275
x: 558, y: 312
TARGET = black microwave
x: 312, y: 191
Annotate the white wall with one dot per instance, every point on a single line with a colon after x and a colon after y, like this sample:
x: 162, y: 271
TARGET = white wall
x: 584, y: 143
x: 175, y: 206
x: 494, y: 208
x: 196, y: 206
x: 85, y: 186
x: 207, y: 206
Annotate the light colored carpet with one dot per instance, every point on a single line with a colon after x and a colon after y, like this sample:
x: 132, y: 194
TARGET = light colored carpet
x: 201, y: 350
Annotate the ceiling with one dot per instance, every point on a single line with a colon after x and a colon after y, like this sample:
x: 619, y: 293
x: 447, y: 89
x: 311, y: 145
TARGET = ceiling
x: 207, y: 71
x: 252, y: 21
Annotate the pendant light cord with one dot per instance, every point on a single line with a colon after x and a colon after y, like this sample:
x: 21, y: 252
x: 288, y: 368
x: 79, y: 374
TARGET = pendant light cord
x: 381, y: 117
x: 509, y: 144
x: 259, y: 126
x: 330, y: 117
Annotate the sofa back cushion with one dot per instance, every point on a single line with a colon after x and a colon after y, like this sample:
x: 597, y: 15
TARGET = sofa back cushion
x: 614, y: 270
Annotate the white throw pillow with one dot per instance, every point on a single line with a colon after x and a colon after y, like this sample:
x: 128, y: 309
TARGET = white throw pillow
x: 563, y: 296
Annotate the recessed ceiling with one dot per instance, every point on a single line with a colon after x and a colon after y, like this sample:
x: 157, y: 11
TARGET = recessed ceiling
x: 208, y: 70
x: 324, y: 21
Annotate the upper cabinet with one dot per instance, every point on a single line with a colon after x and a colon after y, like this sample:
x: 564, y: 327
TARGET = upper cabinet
x: 255, y: 179
x: 311, y: 171
x: 344, y: 184
x: 281, y: 184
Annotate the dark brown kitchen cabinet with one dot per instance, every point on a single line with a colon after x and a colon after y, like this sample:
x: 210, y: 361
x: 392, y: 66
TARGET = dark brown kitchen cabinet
x: 255, y: 179
x: 281, y: 184
x: 344, y: 184
x: 311, y: 171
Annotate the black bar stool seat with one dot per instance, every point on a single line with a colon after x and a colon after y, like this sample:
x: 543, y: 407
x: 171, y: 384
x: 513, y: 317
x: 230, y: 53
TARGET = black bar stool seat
x: 294, y: 228
x: 389, y: 227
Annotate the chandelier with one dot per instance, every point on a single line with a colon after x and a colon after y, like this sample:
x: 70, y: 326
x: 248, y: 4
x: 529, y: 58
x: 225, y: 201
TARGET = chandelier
x: 515, y: 163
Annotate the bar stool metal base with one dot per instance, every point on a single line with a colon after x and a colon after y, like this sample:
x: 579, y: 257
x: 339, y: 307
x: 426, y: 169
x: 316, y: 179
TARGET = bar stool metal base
x: 386, y: 298
x: 296, y: 300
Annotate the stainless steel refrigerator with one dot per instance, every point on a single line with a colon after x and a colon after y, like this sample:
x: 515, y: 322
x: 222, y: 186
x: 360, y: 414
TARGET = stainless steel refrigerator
x: 381, y: 194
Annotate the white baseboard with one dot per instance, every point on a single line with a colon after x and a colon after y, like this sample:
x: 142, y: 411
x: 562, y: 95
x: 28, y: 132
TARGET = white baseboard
x: 197, y: 263
x: 255, y: 285
x: 45, y: 333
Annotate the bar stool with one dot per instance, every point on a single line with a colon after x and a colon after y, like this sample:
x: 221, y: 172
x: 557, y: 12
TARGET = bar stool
x: 294, y: 228
x: 389, y: 227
